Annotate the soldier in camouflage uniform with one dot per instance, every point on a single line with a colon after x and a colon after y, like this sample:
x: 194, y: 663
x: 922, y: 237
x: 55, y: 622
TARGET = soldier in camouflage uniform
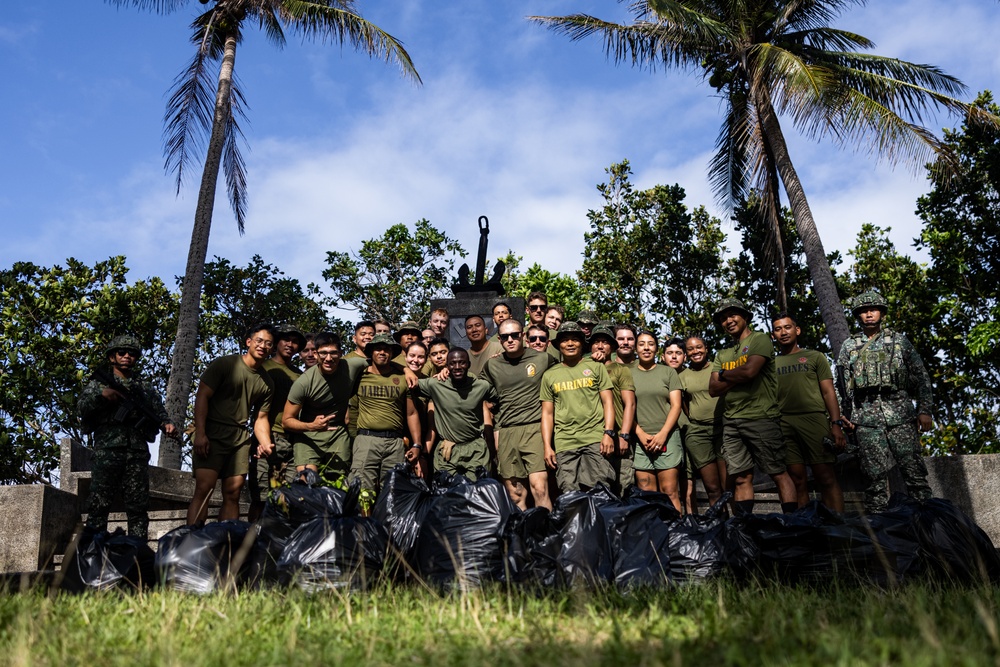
x: 121, y: 433
x: 880, y: 375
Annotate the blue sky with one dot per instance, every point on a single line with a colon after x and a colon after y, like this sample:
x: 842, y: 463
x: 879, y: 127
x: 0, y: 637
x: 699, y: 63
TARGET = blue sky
x: 512, y: 122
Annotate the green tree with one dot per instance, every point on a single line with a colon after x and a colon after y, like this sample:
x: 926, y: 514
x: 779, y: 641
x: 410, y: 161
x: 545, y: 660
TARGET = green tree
x: 194, y: 114
x: 54, y: 325
x: 961, y: 216
x: 781, y: 57
x: 394, y: 276
x: 560, y: 289
x: 648, y: 259
x: 235, y: 298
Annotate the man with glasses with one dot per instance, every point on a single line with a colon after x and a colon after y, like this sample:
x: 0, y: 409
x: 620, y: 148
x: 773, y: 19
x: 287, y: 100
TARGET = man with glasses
x: 122, y: 425
x: 517, y: 377
x: 538, y: 304
x: 316, y: 406
x: 537, y: 338
x: 234, y: 391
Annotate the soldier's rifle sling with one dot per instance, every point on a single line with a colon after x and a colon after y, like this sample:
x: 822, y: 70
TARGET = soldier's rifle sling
x: 134, y: 400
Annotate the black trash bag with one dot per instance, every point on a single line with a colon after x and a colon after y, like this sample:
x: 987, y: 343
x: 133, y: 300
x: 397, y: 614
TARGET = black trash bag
x: 104, y: 560
x: 582, y: 553
x: 201, y: 560
x: 402, y: 507
x: 793, y: 546
x: 638, y: 540
x: 334, y: 552
x: 895, y: 543
x: 702, y: 546
x: 951, y: 544
x: 289, y: 507
x: 461, y: 539
x: 531, y: 548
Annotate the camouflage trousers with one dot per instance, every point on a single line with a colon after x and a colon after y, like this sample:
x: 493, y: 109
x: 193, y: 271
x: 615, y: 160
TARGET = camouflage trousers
x: 125, y: 471
x: 877, y: 437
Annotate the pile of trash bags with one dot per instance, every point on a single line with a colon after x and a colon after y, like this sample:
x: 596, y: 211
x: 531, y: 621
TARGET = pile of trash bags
x: 457, y: 533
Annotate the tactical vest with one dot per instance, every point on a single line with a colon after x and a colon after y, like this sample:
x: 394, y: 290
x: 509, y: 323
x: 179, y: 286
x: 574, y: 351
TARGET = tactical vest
x: 878, y: 368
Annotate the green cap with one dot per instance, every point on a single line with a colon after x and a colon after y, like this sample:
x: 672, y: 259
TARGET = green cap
x: 123, y: 342
x: 587, y: 317
x: 605, y: 331
x: 869, y: 299
x: 383, y: 339
x: 290, y: 331
x: 730, y: 304
x: 409, y: 325
x: 569, y: 329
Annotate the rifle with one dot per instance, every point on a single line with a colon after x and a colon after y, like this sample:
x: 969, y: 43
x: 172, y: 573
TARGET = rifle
x: 134, y: 402
x: 846, y: 408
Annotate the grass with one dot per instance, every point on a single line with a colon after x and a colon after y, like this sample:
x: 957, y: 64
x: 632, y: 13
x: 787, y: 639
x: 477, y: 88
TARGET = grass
x: 708, y: 624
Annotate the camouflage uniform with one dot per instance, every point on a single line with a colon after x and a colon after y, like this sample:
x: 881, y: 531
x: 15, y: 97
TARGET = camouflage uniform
x: 880, y: 378
x: 121, y: 452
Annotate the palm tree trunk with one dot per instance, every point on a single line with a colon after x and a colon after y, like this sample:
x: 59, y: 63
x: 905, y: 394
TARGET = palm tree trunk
x: 182, y: 363
x: 830, y: 306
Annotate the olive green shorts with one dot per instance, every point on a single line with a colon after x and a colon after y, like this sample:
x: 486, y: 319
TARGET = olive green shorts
x: 373, y: 457
x: 583, y: 468
x: 334, y: 455
x: 746, y: 442
x: 667, y: 459
x: 225, y: 459
x: 520, y: 451
x: 624, y: 469
x: 465, y: 458
x: 807, y: 439
x: 704, y: 444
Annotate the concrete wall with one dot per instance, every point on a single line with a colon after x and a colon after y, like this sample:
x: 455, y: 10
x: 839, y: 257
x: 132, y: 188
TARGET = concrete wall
x: 37, y: 524
x: 971, y: 483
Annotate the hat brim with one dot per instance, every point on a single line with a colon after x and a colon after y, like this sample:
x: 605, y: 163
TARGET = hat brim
x: 396, y: 349
x: 399, y: 334
x: 594, y: 337
x: 718, y: 316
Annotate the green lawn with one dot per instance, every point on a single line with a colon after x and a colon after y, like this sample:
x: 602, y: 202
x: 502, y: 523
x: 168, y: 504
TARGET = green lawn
x: 705, y: 624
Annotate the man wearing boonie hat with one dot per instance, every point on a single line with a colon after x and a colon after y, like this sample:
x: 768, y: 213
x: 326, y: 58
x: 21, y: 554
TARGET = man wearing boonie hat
x: 602, y: 345
x: 385, y: 414
x: 578, y: 415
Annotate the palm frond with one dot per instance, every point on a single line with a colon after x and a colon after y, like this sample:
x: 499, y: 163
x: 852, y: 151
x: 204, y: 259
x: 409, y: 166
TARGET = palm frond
x: 188, y: 118
x: 233, y: 164
x: 729, y: 171
x: 824, y: 39
x: 813, y: 14
x: 333, y: 23
x: 270, y: 25
x: 158, y: 6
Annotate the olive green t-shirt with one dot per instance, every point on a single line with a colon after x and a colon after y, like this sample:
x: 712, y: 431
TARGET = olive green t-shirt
x: 575, y: 393
x: 517, y: 383
x: 799, y: 375
x: 458, y: 411
x: 758, y: 398
x: 382, y: 400
x: 478, y: 361
x: 621, y: 380
x: 283, y: 377
x: 319, y: 394
x: 701, y: 406
x: 652, y: 395
x: 238, y: 394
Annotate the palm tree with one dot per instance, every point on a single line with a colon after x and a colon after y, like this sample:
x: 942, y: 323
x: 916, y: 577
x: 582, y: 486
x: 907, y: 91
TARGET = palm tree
x: 771, y: 58
x: 194, y: 113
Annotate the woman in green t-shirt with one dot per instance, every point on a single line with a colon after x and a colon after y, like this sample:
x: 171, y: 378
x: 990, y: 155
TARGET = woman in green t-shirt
x: 658, y: 409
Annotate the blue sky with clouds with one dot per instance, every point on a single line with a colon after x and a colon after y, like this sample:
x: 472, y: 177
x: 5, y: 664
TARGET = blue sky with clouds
x: 512, y: 122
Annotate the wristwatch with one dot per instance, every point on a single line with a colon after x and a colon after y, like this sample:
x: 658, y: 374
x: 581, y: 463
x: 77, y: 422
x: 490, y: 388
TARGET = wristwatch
x: 627, y: 437
x: 721, y: 373
x: 838, y: 422
x: 611, y: 433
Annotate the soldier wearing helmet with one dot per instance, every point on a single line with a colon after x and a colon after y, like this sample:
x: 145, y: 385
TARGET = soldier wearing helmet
x: 880, y: 375
x: 751, y: 432
x: 123, y: 413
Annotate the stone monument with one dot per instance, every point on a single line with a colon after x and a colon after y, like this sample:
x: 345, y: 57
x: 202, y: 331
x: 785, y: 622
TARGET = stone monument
x: 479, y: 296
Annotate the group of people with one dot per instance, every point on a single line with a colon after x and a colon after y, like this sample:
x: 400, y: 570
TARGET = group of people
x: 549, y: 406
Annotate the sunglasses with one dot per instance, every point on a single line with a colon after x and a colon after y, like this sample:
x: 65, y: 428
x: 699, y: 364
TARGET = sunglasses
x: 537, y: 307
x: 537, y: 339
x: 509, y: 336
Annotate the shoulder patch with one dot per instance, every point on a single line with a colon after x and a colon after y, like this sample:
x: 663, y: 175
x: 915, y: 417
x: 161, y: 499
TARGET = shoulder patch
x: 531, y: 370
